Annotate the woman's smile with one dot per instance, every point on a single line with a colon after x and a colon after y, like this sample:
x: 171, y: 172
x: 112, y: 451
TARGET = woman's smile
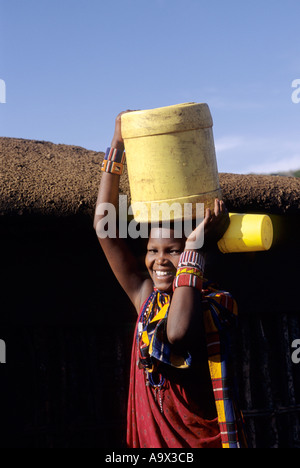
x: 164, y: 274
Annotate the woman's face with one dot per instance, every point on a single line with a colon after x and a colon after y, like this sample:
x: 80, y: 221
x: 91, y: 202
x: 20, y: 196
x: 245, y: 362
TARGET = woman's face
x: 163, y: 252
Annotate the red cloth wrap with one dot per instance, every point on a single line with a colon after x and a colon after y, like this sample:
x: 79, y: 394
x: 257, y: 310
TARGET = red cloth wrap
x: 189, y: 417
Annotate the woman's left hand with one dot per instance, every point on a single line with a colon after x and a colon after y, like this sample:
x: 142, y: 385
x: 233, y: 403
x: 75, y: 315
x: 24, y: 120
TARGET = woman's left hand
x: 213, y: 227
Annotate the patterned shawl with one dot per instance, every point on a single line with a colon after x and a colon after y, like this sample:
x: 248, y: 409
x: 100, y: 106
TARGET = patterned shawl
x: 219, y: 313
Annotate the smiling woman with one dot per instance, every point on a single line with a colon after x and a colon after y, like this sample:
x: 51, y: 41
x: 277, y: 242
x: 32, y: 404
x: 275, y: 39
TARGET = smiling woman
x: 175, y: 399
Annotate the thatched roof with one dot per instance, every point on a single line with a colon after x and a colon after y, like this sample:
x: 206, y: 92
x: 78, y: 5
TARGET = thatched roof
x: 42, y: 178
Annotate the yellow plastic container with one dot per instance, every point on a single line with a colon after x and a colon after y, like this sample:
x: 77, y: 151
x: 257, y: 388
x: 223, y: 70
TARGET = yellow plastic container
x: 247, y: 233
x: 170, y: 156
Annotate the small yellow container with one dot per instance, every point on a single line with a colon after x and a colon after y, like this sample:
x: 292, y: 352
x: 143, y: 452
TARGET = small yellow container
x: 247, y: 233
x: 170, y: 157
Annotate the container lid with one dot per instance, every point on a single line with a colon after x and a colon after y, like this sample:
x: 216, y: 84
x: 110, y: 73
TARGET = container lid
x: 170, y: 119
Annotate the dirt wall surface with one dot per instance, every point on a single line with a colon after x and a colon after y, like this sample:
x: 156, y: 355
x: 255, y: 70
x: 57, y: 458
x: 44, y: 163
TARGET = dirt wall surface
x: 39, y: 177
x: 68, y: 326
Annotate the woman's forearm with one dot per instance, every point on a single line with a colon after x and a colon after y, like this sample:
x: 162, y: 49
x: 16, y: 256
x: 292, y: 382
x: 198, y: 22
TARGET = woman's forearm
x: 108, y: 194
x: 185, y: 319
x: 109, y: 185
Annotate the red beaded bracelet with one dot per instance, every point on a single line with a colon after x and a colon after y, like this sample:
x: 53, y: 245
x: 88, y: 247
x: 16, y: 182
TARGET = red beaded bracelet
x: 187, y: 280
x: 190, y: 270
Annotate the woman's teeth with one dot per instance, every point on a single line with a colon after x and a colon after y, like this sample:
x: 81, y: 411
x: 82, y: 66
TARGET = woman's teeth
x: 160, y: 274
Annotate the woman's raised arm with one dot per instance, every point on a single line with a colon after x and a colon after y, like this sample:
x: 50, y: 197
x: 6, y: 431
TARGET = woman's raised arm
x: 122, y: 262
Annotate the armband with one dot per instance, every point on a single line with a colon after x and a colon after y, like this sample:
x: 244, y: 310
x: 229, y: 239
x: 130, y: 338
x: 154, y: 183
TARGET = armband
x: 190, y: 270
x: 190, y: 258
x: 113, y: 161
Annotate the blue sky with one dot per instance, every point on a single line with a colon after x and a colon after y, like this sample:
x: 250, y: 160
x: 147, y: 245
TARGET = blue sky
x: 71, y: 65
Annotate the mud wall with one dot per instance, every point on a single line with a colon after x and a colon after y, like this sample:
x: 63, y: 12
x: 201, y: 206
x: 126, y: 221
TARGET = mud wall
x: 68, y: 326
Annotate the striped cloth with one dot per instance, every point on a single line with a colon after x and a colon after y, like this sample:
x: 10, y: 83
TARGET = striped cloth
x: 219, y: 313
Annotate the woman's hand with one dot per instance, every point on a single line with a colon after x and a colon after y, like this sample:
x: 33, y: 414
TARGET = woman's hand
x: 117, y: 141
x: 213, y: 227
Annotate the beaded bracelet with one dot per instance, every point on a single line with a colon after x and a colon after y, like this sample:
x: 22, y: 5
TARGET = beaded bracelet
x: 190, y: 270
x: 192, y: 259
x: 188, y: 280
x: 113, y: 161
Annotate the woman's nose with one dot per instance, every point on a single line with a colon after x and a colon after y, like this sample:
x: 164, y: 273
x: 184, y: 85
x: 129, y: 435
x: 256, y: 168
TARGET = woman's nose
x: 161, y: 259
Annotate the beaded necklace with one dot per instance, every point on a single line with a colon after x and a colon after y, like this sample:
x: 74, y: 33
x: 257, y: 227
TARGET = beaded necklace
x: 156, y: 301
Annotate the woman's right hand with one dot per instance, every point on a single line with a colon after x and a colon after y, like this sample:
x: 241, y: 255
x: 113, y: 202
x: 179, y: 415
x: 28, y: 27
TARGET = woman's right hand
x: 117, y: 141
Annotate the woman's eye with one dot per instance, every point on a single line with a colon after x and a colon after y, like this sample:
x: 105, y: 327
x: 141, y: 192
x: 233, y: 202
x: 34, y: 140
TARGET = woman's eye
x: 175, y: 252
x: 151, y: 250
